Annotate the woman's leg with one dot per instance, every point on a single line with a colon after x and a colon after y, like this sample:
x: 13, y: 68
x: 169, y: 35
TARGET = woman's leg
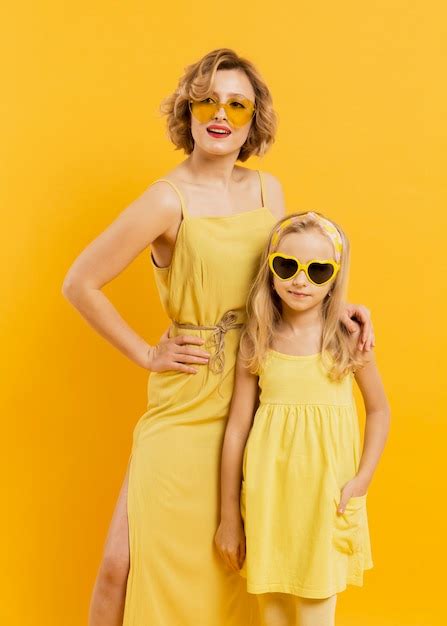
x: 312, y: 612
x: 109, y: 592
x: 277, y: 609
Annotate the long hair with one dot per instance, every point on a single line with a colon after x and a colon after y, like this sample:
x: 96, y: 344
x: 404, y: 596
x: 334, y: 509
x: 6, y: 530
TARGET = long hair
x: 264, y: 306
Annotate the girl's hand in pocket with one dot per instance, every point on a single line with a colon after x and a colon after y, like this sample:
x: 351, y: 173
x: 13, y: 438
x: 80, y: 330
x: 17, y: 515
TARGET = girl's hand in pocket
x: 230, y: 543
x: 353, y: 489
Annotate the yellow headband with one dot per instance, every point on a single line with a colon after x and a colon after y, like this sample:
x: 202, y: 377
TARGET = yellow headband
x: 324, y: 223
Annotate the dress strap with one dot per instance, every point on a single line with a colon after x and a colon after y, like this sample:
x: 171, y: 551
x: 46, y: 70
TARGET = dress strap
x: 177, y: 191
x: 263, y: 192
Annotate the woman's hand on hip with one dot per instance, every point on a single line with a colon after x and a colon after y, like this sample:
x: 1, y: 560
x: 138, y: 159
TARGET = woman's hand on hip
x: 177, y: 353
x: 355, y: 317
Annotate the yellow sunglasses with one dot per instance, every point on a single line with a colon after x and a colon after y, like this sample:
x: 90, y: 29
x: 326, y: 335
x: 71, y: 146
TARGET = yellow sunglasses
x: 286, y: 267
x: 238, y: 111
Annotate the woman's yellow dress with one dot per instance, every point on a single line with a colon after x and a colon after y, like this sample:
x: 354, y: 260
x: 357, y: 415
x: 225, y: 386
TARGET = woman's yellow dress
x: 304, y: 445
x: 176, y: 577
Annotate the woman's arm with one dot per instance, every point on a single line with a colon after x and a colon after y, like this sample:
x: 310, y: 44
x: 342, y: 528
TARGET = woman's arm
x: 229, y: 539
x: 376, y: 427
x: 155, y: 215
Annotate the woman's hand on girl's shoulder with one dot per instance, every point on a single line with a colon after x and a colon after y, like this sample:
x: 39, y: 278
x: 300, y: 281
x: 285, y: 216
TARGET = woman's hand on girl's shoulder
x: 357, y: 319
x: 362, y: 357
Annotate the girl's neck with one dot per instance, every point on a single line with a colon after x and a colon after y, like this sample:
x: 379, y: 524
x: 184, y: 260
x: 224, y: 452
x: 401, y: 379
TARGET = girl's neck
x: 301, y: 323
x: 210, y: 169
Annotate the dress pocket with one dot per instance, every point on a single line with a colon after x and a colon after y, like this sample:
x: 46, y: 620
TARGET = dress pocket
x: 349, y: 526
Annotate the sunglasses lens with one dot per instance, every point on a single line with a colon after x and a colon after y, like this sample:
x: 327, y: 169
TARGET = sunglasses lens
x: 239, y: 112
x: 203, y: 111
x: 284, y: 268
x: 320, y: 273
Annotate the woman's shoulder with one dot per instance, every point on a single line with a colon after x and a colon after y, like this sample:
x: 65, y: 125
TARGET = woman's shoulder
x: 164, y: 192
x: 271, y: 181
x: 274, y: 195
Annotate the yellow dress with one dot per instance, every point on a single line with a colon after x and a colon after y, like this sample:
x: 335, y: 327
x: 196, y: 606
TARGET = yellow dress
x: 304, y: 445
x: 176, y: 576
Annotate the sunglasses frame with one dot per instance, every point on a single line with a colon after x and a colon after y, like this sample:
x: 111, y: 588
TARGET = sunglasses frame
x: 224, y: 105
x: 303, y: 266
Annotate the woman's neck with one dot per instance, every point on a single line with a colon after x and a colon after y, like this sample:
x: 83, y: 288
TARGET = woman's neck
x: 215, y: 170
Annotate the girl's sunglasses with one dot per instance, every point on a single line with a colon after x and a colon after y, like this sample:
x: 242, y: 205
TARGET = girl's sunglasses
x: 238, y: 111
x: 286, y: 267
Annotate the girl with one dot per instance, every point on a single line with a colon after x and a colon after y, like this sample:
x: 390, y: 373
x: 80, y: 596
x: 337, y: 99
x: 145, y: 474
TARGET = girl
x: 205, y: 222
x: 304, y: 483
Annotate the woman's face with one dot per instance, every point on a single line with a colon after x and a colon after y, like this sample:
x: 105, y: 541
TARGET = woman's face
x: 226, y: 138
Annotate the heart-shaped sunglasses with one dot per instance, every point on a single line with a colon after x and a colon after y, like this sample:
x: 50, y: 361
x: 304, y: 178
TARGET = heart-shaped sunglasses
x: 286, y: 267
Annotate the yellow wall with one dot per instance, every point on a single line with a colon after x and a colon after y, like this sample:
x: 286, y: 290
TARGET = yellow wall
x: 359, y: 88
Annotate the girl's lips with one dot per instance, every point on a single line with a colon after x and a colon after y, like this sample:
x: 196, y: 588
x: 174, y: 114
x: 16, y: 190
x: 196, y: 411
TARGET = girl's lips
x: 218, y: 131
x: 298, y: 294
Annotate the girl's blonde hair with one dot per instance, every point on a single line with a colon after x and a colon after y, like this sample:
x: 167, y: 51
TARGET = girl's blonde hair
x: 264, y: 305
x: 197, y: 84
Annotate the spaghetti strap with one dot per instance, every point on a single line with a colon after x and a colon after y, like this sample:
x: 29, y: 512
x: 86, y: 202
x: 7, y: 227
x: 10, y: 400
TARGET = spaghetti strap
x: 177, y: 191
x: 263, y: 192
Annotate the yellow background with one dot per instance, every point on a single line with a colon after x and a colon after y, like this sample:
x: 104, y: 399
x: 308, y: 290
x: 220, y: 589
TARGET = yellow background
x: 360, y: 92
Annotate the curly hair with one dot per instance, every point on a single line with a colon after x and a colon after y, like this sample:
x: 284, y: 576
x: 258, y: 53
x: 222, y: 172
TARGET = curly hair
x: 196, y: 84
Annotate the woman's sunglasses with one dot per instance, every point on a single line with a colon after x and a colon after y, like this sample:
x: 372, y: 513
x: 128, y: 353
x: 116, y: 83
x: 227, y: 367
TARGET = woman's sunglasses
x: 285, y: 267
x: 238, y: 111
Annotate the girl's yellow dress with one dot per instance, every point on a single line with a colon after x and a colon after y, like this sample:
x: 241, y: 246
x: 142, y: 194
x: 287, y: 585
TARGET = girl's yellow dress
x: 176, y: 576
x: 303, y: 447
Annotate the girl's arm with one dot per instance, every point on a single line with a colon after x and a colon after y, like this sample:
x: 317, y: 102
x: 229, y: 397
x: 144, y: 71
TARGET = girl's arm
x: 154, y: 216
x: 230, y: 539
x: 376, y: 427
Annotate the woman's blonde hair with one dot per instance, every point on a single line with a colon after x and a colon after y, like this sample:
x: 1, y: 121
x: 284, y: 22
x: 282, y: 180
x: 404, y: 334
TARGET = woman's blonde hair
x: 264, y: 306
x: 197, y: 84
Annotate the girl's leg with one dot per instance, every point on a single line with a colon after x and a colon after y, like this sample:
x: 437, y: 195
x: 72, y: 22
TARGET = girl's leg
x: 109, y: 592
x: 312, y: 612
x: 277, y: 609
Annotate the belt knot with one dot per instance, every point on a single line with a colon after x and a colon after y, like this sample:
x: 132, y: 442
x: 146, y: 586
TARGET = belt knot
x: 216, y: 340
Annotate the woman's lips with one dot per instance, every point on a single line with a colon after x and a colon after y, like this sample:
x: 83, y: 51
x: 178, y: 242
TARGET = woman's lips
x: 218, y: 132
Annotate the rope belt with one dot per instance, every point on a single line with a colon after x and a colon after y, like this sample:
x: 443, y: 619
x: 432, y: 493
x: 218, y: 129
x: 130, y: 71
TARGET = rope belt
x: 217, y: 338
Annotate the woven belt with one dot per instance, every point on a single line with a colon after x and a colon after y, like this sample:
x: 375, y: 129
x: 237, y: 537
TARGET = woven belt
x: 217, y: 338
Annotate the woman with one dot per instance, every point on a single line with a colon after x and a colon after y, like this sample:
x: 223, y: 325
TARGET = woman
x: 206, y: 224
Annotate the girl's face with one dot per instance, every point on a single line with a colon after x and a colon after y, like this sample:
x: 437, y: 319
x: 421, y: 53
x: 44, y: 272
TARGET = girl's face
x: 228, y: 84
x: 299, y: 293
